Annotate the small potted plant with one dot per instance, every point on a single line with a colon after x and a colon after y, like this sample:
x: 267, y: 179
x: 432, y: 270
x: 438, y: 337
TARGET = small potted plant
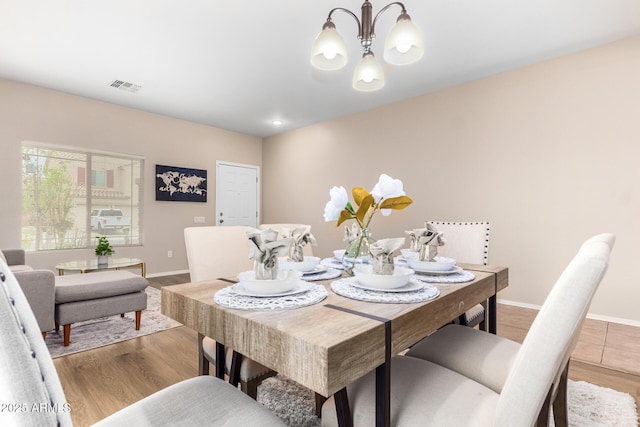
x: 103, y: 250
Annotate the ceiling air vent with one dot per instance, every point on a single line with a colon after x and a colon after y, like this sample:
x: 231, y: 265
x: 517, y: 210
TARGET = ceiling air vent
x: 126, y: 86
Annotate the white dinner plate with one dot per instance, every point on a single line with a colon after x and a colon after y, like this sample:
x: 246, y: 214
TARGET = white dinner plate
x: 413, y: 285
x: 319, y: 269
x: 454, y: 270
x: 299, y: 288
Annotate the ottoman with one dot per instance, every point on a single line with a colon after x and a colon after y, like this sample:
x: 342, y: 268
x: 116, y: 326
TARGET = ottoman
x: 90, y: 296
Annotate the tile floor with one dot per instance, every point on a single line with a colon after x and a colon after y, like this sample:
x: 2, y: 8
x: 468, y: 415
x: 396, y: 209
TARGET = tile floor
x: 603, y: 343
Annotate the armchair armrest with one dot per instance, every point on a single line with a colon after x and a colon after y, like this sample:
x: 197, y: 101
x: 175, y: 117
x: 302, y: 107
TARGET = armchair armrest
x: 39, y: 286
x: 14, y: 256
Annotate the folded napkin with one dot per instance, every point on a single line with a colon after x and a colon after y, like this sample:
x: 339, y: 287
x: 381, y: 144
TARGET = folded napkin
x: 301, y: 237
x: 382, y: 254
x: 429, y: 242
x: 414, y: 236
x: 264, y: 249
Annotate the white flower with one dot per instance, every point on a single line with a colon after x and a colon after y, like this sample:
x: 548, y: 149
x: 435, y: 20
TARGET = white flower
x: 338, y: 202
x: 387, y: 188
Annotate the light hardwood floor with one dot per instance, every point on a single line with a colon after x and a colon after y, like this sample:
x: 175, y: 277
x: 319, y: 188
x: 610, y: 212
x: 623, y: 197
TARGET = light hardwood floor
x: 101, y: 381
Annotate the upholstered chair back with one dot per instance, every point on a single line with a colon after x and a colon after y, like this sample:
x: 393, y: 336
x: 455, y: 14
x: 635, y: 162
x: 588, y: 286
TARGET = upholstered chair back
x: 466, y: 241
x: 28, y: 378
x: 217, y: 251
x: 308, y: 249
x: 553, y: 335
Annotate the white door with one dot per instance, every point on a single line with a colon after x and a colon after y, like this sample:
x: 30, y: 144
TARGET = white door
x: 236, y: 194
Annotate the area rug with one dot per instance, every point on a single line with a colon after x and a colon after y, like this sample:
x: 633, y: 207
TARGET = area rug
x: 589, y: 405
x: 112, y: 329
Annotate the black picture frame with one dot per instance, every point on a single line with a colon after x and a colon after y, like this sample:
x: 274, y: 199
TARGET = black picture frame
x: 178, y: 184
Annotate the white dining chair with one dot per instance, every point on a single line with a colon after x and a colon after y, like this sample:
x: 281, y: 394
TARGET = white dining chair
x: 518, y: 392
x: 467, y: 242
x: 487, y: 358
x: 222, y: 252
x: 30, y: 385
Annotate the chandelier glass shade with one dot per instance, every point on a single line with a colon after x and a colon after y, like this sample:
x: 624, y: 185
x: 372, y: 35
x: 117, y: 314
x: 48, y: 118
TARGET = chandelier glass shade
x: 403, y: 46
x: 329, y: 51
x: 368, y: 75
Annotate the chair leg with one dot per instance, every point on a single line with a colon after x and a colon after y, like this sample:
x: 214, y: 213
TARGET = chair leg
x: 66, y: 333
x: 44, y: 335
x: 544, y: 415
x: 203, y: 362
x: 484, y: 325
x: 560, y: 413
x: 121, y: 314
x: 57, y: 327
x: 138, y: 317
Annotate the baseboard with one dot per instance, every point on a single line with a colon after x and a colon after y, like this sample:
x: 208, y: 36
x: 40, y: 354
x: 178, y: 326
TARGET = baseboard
x: 168, y: 273
x: 610, y: 319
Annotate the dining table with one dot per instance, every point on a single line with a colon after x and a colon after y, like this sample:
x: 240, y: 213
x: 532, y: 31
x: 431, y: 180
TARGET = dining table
x: 329, y: 344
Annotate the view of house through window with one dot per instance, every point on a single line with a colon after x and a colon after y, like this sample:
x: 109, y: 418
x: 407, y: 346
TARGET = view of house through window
x: 69, y: 197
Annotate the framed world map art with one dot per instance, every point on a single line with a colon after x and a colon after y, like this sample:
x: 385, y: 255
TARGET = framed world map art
x: 175, y: 184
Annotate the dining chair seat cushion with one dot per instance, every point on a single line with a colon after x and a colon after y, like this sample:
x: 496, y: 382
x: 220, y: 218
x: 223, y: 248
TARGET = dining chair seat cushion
x: 422, y: 393
x: 199, y: 401
x: 481, y: 356
x: 249, y: 369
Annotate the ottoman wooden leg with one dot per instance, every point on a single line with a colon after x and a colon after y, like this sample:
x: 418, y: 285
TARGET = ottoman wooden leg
x: 138, y: 316
x: 66, y: 333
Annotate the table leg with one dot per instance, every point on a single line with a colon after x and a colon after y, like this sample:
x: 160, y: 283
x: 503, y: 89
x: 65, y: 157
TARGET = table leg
x: 143, y: 269
x: 220, y: 362
x: 493, y: 314
x: 343, y: 412
x: 383, y: 383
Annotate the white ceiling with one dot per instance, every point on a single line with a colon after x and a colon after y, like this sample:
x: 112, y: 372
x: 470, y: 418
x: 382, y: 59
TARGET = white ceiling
x: 238, y: 65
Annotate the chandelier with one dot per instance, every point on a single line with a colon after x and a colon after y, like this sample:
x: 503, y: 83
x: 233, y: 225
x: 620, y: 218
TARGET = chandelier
x: 403, y: 46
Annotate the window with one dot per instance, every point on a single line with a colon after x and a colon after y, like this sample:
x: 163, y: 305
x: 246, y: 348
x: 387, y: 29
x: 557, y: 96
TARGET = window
x: 63, y: 206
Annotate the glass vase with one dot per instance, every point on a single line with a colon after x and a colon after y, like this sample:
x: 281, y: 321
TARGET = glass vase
x: 358, y: 250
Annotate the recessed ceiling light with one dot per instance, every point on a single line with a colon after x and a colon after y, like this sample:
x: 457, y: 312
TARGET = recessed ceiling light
x: 277, y: 122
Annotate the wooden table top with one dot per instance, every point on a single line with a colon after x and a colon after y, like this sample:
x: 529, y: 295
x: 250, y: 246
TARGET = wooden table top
x: 321, y: 346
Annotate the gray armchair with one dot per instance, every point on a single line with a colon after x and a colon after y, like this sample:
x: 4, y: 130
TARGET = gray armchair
x: 37, y: 285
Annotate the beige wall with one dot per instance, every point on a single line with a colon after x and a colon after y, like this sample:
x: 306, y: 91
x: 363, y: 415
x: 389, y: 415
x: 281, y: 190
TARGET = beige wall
x: 548, y: 154
x: 32, y: 113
